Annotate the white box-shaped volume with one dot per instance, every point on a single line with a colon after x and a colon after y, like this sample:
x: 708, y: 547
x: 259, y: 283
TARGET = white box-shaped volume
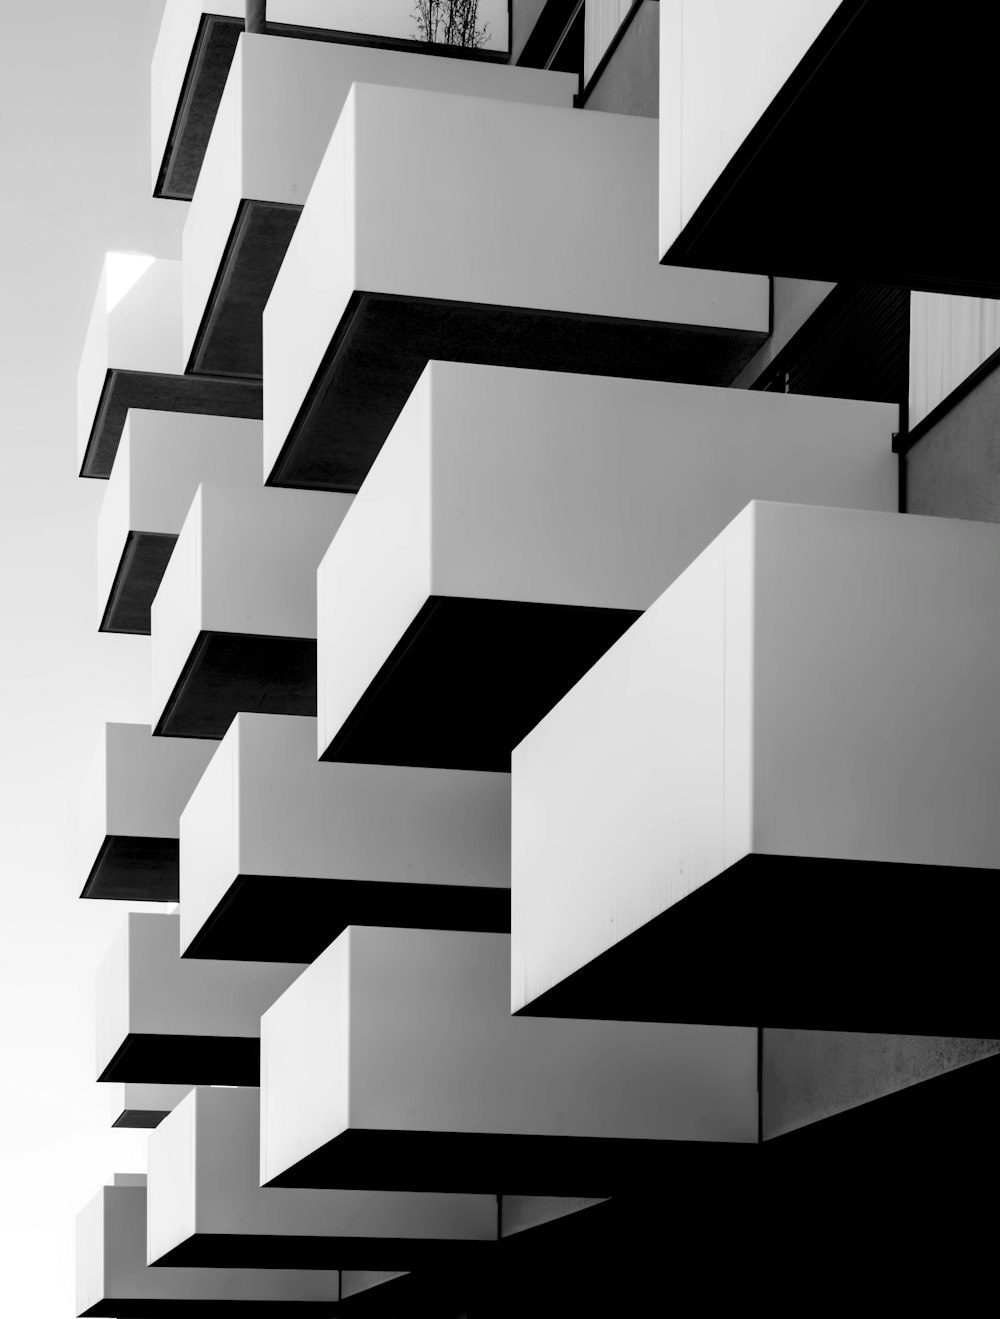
x: 139, y: 330
x: 162, y: 458
x: 406, y: 1037
x: 722, y: 62
x: 281, y: 104
x: 270, y: 809
x: 515, y: 485
x: 204, y: 1161
x: 112, y: 1277
x: 146, y: 992
x: 817, y: 684
x: 245, y: 562
x: 136, y: 787
x: 479, y: 201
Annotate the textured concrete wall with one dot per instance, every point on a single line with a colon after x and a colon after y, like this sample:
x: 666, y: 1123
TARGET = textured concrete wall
x: 954, y: 470
x: 630, y: 82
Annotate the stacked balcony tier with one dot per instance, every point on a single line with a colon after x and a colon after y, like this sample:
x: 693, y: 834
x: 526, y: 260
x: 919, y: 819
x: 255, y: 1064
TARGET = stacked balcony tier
x: 782, y: 778
x: 132, y: 359
x: 162, y: 1020
x: 279, y: 853
x: 130, y: 808
x: 162, y: 459
x: 206, y: 1205
x: 280, y: 107
x: 785, y: 128
x: 477, y: 230
x: 512, y: 528
x: 234, y: 619
x: 112, y: 1277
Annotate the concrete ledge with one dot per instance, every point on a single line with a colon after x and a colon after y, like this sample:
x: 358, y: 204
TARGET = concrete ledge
x: 484, y: 231
x: 166, y: 1021
x: 788, y: 761
x: 515, y: 523
x: 130, y: 808
x: 161, y: 460
x: 280, y: 853
x: 234, y: 619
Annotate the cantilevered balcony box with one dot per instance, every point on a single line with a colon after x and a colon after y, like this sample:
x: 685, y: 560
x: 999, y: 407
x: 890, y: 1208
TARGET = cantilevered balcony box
x: 112, y: 1277
x: 280, y: 107
x: 206, y: 1205
x: 477, y: 230
x: 197, y: 43
x: 130, y: 808
x: 393, y: 1063
x: 516, y: 522
x: 234, y: 619
x: 167, y: 1021
x: 132, y: 359
x: 137, y: 1105
x: 162, y: 459
x: 279, y: 852
x: 777, y: 118
x: 774, y: 799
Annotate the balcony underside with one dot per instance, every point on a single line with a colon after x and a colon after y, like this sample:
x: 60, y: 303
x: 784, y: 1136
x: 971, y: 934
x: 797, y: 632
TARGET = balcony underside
x: 479, y: 1162
x: 809, y: 943
x: 470, y: 678
x: 143, y: 563
x: 280, y: 918
x: 186, y: 1060
x: 230, y: 672
x: 384, y: 342
x: 141, y: 1118
x: 869, y: 164
x: 256, y: 1251
x: 136, y: 869
x: 160, y: 392
x: 138, y: 1308
x: 229, y: 340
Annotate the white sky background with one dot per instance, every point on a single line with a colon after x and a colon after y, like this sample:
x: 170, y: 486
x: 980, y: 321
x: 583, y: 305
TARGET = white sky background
x: 74, y: 182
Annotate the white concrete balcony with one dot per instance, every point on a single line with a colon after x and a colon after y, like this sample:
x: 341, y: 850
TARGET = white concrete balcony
x: 393, y: 1061
x: 279, y: 852
x: 234, y: 619
x: 785, y: 769
x: 136, y: 1105
x: 477, y: 230
x: 172, y: 1022
x: 112, y: 1277
x: 162, y: 459
x: 275, y: 119
x: 515, y: 523
x: 132, y: 358
x: 130, y: 807
x: 197, y: 43
x: 778, y: 117
x: 206, y: 1205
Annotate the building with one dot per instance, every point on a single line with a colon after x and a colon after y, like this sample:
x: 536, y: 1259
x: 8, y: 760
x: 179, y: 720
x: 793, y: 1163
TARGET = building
x: 573, y: 635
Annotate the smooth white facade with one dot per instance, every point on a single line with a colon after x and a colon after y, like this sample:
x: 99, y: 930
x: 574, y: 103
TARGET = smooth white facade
x: 142, y: 332
x: 817, y: 684
x: 410, y: 1030
x: 111, y: 1267
x: 144, y: 988
x: 204, y: 1161
x: 480, y: 201
x: 950, y: 336
x: 245, y: 561
x: 162, y: 458
x: 722, y: 62
x: 281, y: 104
x: 268, y: 807
x: 137, y: 786
x: 131, y: 1098
x: 574, y: 490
